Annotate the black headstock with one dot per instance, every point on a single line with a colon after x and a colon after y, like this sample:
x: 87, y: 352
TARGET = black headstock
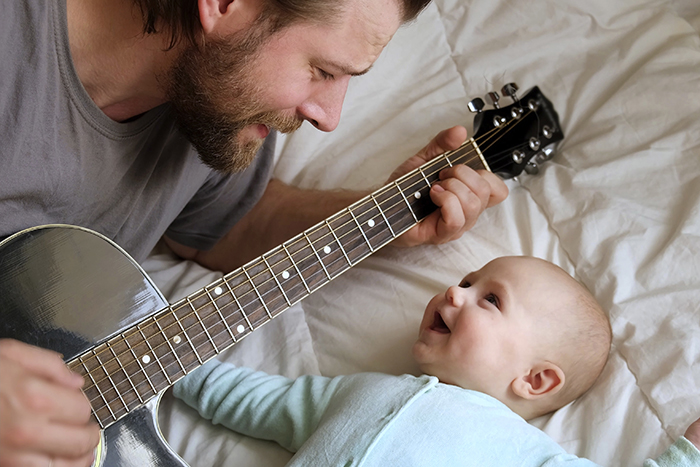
x: 518, y: 137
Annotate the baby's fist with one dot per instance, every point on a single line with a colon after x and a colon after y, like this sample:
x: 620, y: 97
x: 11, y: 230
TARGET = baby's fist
x: 692, y: 434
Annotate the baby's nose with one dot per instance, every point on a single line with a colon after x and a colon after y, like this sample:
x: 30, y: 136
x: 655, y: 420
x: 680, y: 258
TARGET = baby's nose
x: 455, y: 295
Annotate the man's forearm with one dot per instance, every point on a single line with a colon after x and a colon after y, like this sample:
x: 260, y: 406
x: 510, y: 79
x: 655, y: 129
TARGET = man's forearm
x: 282, y: 212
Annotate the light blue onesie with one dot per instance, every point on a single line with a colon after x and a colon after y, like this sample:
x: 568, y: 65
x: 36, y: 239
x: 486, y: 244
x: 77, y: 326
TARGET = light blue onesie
x: 373, y: 419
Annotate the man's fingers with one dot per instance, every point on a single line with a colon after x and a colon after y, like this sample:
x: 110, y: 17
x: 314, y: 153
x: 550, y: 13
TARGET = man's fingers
x: 464, y: 181
x: 446, y: 140
x: 498, y: 189
x: 42, y: 362
x: 52, y: 439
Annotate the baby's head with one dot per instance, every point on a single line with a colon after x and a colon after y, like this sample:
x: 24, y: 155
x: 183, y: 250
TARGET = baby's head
x: 519, y: 329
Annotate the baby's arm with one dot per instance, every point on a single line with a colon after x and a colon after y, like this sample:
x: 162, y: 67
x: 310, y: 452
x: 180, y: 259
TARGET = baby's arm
x: 692, y: 434
x: 257, y: 404
x: 685, y: 452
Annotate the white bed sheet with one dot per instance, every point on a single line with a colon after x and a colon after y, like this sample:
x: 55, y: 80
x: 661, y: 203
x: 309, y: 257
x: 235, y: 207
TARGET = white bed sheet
x: 618, y: 207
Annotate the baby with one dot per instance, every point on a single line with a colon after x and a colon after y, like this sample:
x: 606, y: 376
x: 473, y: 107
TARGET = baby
x: 514, y: 340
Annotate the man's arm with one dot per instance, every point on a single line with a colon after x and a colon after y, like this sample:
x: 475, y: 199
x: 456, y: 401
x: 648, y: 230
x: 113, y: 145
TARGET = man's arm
x: 284, y: 211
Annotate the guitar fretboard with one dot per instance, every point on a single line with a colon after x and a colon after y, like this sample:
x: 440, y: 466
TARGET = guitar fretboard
x: 131, y: 368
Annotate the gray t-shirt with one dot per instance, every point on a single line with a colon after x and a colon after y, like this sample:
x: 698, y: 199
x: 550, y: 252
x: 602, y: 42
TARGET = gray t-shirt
x: 64, y: 161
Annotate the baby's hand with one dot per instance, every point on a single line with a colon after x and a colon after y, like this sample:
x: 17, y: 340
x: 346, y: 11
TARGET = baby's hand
x: 692, y: 434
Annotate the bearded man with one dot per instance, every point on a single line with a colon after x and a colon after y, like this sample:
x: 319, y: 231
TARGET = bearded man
x: 150, y: 119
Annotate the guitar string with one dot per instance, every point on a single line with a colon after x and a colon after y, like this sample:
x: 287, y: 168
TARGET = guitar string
x: 165, y: 369
x: 211, y: 339
x: 322, y: 239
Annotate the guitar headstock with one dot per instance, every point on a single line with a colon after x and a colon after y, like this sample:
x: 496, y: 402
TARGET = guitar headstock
x: 517, y: 137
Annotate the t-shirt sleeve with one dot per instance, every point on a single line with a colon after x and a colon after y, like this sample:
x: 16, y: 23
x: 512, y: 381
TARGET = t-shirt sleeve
x: 256, y: 404
x: 222, y: 201
x: 682, y: 453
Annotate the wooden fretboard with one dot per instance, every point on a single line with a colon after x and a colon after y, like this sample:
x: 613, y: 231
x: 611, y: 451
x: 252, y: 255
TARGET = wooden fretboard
x: 129, y: 369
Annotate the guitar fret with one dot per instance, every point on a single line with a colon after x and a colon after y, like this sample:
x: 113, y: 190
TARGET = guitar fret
x: 297, y: 269
x: 383, y: 216
x: 245, y: 316
x: 187, y: 336
x: 255, y: 289
x: 172, y: 349
x: 339, y: 244
x: 427, y: 182
x: 406, y: 200
x: 317, y: 256
x: 361, y: 231
x: 155, y: 357
x: 126, y: 373
x: 99, y: 391
x: 138, y: 361
x: 218, y: 310
x: 276, y: 281
x: 109, y: 378
x: 201, y: 323
x: 447, y: 158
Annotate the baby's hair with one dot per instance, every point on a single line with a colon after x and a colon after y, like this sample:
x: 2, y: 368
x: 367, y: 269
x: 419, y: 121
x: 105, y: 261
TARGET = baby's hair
x: 584, y: 342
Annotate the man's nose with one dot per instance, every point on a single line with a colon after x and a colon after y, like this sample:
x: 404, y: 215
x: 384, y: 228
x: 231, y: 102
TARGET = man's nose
x: 322, y: 109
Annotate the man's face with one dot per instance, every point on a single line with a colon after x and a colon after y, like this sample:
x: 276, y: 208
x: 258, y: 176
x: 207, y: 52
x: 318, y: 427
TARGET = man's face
x: 482, y: 334
x: 228, y: 94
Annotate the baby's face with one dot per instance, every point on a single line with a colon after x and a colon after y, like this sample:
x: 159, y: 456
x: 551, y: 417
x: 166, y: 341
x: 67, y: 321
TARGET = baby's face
x: 481, y: 334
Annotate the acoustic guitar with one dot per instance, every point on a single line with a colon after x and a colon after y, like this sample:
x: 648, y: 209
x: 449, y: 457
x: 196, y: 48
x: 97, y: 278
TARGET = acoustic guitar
x: 74, y: 291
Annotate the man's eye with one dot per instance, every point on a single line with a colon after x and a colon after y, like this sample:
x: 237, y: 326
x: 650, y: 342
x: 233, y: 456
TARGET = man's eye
x: 325, y: 75
x: 465, y: 285
x: 491, y: 298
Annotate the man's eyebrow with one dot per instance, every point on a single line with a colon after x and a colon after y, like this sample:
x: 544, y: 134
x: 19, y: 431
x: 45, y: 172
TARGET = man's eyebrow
x: 344, y: 69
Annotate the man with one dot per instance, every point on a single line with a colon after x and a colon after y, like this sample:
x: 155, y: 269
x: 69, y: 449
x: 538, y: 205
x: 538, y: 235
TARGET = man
x: 97, y: 96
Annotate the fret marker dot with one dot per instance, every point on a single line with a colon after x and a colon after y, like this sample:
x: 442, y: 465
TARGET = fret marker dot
x: 417, y: 194
x: 177, y: 339
x: 285, y: 275
x: 370, y: 222
x: 146, y: 359
x: 326, y: 249
x: 218, y: 291
x: 240, y: 328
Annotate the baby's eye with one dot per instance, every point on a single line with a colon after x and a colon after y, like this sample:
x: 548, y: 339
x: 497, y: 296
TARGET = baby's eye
x: 491, y: 298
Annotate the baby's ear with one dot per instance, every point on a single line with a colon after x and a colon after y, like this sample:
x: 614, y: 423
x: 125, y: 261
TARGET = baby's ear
x: 545, y: 378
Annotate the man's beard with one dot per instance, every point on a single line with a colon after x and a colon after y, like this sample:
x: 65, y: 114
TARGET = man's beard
x: 214, y: 97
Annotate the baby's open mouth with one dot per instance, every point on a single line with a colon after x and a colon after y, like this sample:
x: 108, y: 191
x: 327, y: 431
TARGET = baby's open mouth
x: 439, y: 324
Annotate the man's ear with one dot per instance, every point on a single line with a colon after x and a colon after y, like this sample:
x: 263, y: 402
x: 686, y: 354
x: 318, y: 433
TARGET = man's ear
x: 222, y: 17
x: 545, y: 378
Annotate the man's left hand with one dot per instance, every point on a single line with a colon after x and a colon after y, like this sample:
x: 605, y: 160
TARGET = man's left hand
x: 461, y: 195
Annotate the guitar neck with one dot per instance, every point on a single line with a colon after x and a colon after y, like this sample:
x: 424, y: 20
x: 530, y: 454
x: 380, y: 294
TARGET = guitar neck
x: 131, y: 368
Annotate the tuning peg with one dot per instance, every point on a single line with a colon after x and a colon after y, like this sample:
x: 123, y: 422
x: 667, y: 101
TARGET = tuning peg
x: 532, y: 168
x: 510, y: 90
x: 475, y: 105
x: 493, y: 99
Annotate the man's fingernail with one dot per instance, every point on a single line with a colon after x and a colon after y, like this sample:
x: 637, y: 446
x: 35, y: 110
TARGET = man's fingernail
x: 438, y: 188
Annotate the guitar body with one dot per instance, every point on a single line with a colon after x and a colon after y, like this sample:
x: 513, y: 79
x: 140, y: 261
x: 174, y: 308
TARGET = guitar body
x: 68, y: 289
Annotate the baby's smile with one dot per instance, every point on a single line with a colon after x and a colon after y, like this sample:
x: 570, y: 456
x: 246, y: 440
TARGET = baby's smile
x: 439, y: 324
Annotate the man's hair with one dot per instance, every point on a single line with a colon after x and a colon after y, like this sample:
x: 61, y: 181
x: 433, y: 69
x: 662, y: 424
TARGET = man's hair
x: 180, y: 18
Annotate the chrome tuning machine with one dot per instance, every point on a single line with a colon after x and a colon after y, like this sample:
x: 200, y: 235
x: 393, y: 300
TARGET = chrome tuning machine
x: 476, y: 105
x: 493, y: 99
x: 510, y: 90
